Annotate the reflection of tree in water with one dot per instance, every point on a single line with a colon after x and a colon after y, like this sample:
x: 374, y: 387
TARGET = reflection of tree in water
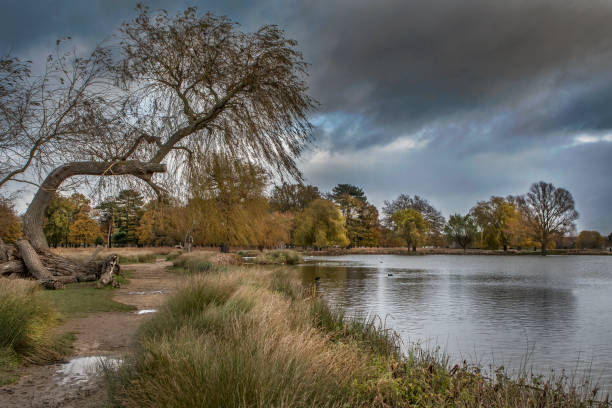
x: 371, y: 290
x: 407, y: 294
x: 343, y: 286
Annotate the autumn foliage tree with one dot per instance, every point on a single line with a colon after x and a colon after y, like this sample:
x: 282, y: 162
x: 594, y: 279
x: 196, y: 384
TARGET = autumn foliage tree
x: 228, y: 202
x: 461, y: 229
x: 61, y: 216
x: 10, y: 224
x: 84, y: 230
x: 589, y: 240
x: 320, y: 225
x: 549, y: 213
x: 361, y: 217
x: 434, y: 218
x: 496, y: 219
x: 176, y: 85
x: 411, y: 226
x: 160, y: 224
x: 277, y: 230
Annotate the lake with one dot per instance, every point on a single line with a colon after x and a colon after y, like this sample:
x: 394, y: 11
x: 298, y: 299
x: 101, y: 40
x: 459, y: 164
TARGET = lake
x: 554, y: 311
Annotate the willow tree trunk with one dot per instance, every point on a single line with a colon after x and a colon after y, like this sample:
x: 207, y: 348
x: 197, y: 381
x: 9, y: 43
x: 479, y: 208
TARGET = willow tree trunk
x: 50, y: 269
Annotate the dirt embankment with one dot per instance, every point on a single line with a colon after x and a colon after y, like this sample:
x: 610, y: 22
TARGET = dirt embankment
x: 108, y: 335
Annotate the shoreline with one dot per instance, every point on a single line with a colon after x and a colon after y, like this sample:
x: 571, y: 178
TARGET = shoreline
x: 451, y: 251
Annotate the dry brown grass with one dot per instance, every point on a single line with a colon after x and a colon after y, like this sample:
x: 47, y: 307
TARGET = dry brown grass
x: 253, y: 337
x: 27, y: 322
x: 83, y: 254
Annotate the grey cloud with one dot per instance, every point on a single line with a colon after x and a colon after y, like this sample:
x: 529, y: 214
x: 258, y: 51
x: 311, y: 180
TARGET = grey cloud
x: 404, y: 64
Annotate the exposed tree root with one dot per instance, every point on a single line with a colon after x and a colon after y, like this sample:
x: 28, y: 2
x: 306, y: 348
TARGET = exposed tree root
x: 53, y: 271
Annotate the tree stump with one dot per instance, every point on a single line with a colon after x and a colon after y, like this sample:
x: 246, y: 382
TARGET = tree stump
x: 108, y: 270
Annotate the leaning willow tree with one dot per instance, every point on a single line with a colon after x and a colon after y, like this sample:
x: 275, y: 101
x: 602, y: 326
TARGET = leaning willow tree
x: 170, y: 89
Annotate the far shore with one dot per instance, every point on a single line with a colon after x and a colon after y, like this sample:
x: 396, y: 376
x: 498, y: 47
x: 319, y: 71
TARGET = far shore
x: 127, y: 252
x: 451, y: 251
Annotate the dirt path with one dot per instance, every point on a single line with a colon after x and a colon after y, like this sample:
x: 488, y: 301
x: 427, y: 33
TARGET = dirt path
x: 109, y: 335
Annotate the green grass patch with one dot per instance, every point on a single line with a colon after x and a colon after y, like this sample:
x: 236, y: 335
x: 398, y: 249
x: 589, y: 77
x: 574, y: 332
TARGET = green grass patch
x: 124, y: 277
x: 280, y: 257
x: 81, y: 298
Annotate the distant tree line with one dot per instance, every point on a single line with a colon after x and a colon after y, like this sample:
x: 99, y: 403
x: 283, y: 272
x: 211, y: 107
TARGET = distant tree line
x: 229, y: 204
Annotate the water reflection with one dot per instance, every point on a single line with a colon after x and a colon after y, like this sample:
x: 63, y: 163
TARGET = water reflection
x: 493, y: 309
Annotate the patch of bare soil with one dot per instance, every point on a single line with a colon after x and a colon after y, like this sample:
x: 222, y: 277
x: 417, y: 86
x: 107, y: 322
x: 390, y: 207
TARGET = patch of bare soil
x: 73, y: 383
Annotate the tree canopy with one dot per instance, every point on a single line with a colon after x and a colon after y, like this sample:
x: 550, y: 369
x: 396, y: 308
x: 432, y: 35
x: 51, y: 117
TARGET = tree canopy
x: 549, y: 212
x: 411, y: 226
x: 341, y: 190
x: 496, y: 219
x: 10, y: 224
x: 433, y: 217
x: 589, y: 240
x: 228, y: 202
x: 293, y: 197
x: 320, y: 225
x: 461, y: 229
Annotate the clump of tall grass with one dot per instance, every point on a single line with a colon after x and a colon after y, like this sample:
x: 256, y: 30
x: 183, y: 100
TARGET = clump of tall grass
x: 171, y: 256
x: 192, y: 265
x: 279, y: 257
x: 200, y: 262
x: 26, y: 323
x: 254, y: 338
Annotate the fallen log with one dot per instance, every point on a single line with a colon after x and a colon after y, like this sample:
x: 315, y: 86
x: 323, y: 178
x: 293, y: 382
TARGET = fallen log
x: 10, y: 267
x: 60, y: 266
x: 6, y: 252
x: 66, y: 279
x: 53, y: 271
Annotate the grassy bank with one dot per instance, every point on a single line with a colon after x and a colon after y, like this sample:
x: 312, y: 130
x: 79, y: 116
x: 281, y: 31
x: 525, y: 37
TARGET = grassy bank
x: 254, y: 337
x: 27, y: 322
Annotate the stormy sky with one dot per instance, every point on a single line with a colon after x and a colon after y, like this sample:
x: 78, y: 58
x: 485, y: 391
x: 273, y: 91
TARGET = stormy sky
x: 452, y: 100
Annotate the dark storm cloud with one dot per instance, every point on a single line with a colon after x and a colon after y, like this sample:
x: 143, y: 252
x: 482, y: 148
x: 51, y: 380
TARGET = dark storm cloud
x: 404, y: 64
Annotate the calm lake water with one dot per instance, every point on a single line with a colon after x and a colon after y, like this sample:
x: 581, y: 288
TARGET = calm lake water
x: 555, y: 311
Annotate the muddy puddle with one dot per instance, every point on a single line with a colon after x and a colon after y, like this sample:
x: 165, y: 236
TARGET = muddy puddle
x: 148, y: 292
x: 82, y: 369
x: 145, y: 311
